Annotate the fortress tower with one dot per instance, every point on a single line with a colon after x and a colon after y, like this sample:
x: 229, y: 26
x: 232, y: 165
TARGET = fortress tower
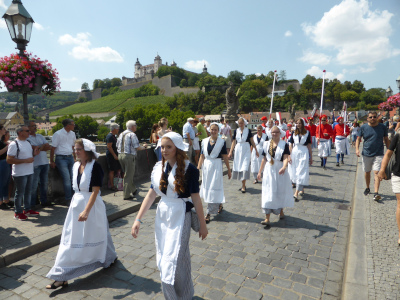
x: 157, y: 63
x: 137, y: 68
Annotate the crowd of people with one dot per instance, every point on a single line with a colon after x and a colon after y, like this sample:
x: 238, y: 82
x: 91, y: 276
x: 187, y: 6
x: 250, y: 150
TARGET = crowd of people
x: 278, y: 155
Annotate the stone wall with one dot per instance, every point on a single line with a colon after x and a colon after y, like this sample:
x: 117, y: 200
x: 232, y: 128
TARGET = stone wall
x: 145, y: 161
x: 134, y: 85
x: 96, y: 94
x: 284, y: 86
x: 43, y: 113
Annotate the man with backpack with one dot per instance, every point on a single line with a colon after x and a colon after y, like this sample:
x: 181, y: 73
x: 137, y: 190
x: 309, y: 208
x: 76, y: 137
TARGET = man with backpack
x: 20, y: 155
x: 374, y: 135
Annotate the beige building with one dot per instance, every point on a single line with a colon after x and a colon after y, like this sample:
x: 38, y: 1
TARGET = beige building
x: 11, y: 122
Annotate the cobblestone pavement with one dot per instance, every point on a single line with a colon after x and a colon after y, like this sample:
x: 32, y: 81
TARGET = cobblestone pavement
x: 300, y: 257
x: 383, y: 253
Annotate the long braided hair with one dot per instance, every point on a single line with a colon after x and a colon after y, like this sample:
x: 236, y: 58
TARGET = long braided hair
x: 180, y: 172
x: 271, y: 146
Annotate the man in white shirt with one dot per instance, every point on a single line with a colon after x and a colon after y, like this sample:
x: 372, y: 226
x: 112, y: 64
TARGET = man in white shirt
x: 40, y: 165
x: 63, y: 143
x: 20, y: 155
x: 188, y: 137
x: 127, y: 147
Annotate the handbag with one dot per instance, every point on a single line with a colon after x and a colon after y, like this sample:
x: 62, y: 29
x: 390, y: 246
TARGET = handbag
x: 195, y: 223
x: 392, y: 161
x: 119, y: 182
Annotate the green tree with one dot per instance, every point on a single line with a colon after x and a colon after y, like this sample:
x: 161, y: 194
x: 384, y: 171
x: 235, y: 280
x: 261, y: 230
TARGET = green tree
x: 236, y: 77
x: 85, y: 86
x: 350, y: 97
x: 102, y: 133
x: 358, y: 86
x: 282, y: 75
x: 86, y: 125
x: 183, y: 83
x: 116, y: 81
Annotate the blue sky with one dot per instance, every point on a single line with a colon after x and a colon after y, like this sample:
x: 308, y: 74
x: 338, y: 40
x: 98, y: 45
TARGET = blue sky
x: 87, y: 39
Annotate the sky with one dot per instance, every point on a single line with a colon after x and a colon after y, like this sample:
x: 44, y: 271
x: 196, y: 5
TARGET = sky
x: 87, y: 40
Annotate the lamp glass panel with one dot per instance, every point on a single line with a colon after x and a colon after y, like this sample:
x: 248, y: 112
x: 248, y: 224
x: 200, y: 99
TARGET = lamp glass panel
x: 19, y: 25
x: 28, y: 28
x: 10, y: 26
x: 398, y: 83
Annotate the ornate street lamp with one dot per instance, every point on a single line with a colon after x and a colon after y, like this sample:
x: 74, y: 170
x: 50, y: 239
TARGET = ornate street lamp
x: 19, y: 23
x: 398, y: 83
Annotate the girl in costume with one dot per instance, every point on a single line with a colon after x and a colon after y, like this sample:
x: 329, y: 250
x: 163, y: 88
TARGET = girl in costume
x: 301, y: 156
x: 212, y: 189
x: 86, y: 242
x: 259, y: 140
x: 242, y: 139
x: 176, y: 181
x: 276, y: 193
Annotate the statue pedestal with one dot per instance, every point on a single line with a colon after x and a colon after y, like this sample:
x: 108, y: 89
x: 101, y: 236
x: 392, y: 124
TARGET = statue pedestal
x: 231, y: 120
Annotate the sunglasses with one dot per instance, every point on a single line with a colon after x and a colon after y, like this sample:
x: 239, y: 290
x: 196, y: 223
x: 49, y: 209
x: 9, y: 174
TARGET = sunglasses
x: 373, y: 117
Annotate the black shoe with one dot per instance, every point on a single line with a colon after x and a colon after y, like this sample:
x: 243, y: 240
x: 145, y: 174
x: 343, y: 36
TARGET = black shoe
x: 46, y: 204
x: 4, y: 206
x: 129, y: 198
x: 10, y: 204
x: 337, y: 164
x: 366, y: 191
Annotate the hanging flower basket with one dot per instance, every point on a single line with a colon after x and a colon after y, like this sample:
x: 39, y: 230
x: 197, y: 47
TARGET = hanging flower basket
x: 28, y: 74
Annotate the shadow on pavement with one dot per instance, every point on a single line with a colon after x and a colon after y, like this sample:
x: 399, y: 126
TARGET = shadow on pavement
x: 293, y: 222
x: 227, y: 216
x: 11, y: 282
x: 116, y: 277
x: 14, y: 237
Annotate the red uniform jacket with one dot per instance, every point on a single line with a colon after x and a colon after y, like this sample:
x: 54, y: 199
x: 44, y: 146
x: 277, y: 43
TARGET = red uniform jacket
x: 322, y: 129
x: 312, y: 129
x: 264, y: 126
x: 339, y: 130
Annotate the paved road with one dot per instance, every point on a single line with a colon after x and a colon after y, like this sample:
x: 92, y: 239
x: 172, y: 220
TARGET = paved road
x: 383, y: 252
x: 300, y: 257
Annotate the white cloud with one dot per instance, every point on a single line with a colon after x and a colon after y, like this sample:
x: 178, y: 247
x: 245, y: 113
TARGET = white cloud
x: 358, y: 34
x: 38, y: 26
x: 2, y: 5
x: 315, y: 58
x: 3, y: 24
x: 257, y: 74
x: 196, y: 65
x: 317, y: 73
x: 82, y: 49
x: 288, y: 33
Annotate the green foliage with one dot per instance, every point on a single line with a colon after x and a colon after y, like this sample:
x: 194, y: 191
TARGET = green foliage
x: 81, y: 99
x: 85, y: 86
x: 349, y: 96
x: 109, y: 103
x: 236, y: 77
x: 209, y: 80
x: 41, y: 131
x: 102, y: 133
x: 168, y: 70
x: 85, y: 125
x: 147, y: 90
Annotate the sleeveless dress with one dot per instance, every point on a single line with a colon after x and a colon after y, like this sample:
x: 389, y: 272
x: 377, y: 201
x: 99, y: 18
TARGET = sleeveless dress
x: 300, y: 159
x: 256, y: 161
x: 84, y: 246
x: 241, y: 161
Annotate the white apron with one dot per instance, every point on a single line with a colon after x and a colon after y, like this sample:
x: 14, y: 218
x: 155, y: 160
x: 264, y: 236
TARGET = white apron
x: 256, y: 161
x: 241, y: 162
x: 212, y: 188
x: 169, y: 221
x: 300, y: 160
x: 276, y: 189
x: 324, y: 148
x: 342, y: 145
x: 82, y: 243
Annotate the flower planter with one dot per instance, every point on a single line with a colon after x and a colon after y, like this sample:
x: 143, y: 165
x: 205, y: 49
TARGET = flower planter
x: 37, y: 88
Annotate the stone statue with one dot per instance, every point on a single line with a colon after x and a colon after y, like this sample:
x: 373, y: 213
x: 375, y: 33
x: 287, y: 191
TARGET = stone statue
x: 232, y: 105
x: 292, y: 111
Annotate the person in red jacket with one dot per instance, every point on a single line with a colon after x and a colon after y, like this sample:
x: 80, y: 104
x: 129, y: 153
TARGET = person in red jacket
x: 342, y: 145
x: 324, y: 134
x: 313, y: 130
x: 264, y: 120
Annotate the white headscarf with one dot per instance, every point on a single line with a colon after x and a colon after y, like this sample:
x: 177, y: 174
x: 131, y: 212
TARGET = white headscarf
x: 244, y: 120
x: 177, y: 139
x: 90, y: 146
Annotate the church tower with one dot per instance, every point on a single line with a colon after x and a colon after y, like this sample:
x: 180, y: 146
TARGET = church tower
x: 137, y: 68
x: 157, y: 63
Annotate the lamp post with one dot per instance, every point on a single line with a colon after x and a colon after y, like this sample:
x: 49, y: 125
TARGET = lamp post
x: 19, y: 23
x: 398, y: 83
x: 388, y: 92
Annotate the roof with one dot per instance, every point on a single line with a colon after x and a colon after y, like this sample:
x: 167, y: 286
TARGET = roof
x: 7, y: 115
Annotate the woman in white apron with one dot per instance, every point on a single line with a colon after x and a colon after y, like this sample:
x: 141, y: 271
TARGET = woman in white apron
x: 276, y: 192
x: 86, y: 242
x: 301, y: 156
x: 212, y: 188
x: 196, y: 144
x: 242, y: 139
x: 259, y: 140
x: 175, y: 180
